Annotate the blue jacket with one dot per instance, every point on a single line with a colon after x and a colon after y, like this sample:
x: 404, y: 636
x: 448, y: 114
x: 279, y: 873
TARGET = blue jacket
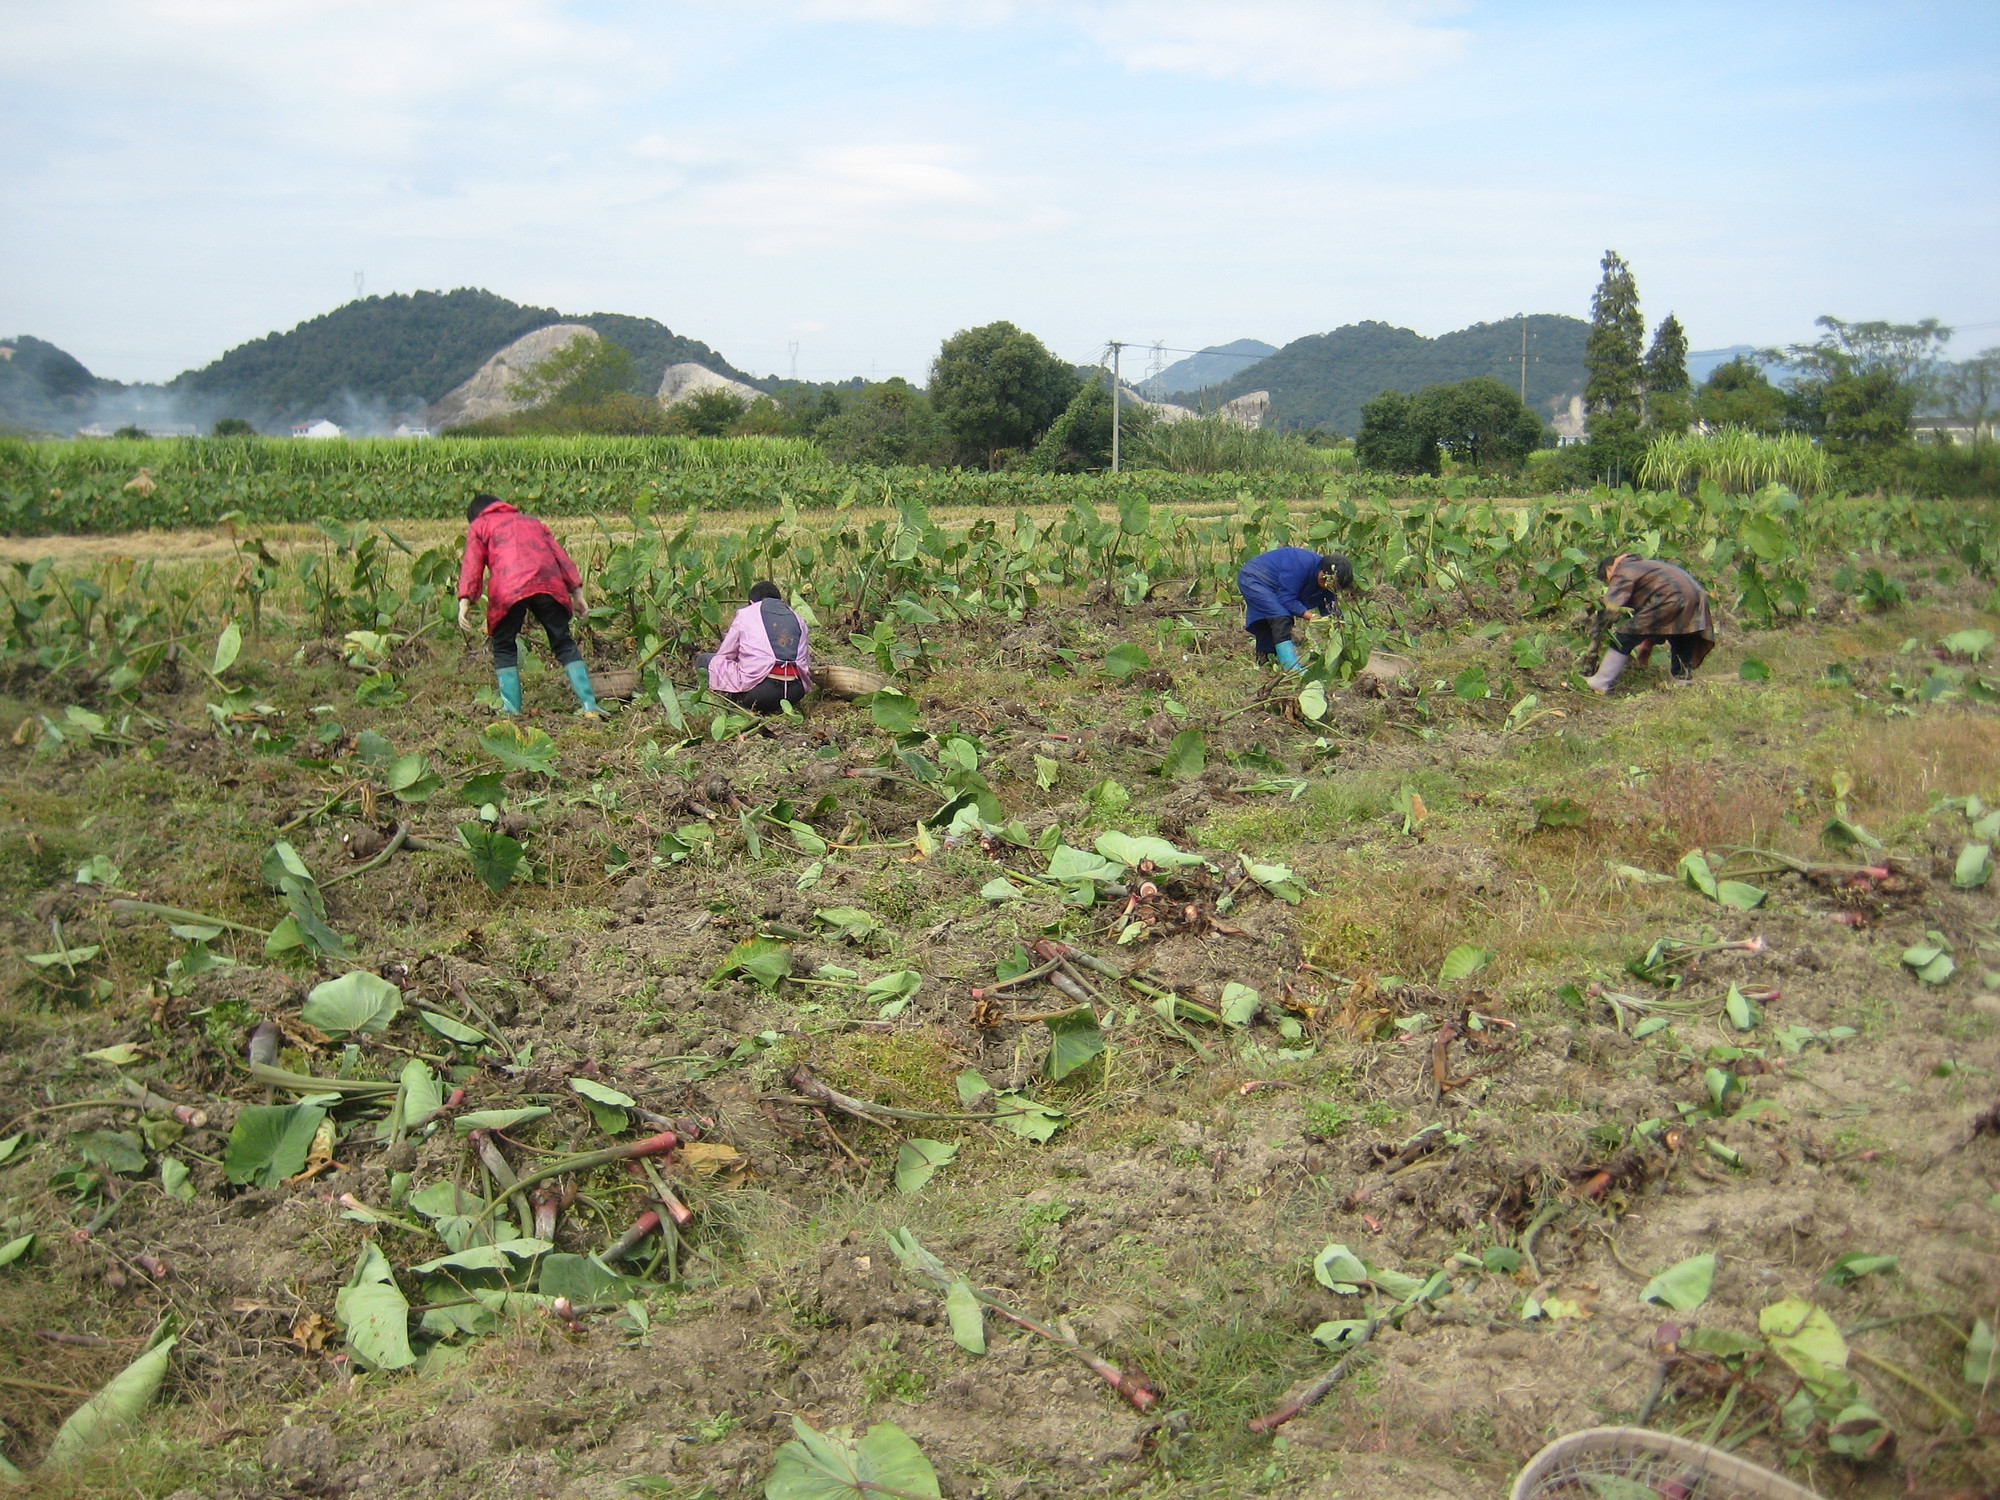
x: 1282, y: 582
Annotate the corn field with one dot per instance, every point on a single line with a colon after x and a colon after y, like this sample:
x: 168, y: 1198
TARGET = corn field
x: 1738, y: 461
x: 117, y: 486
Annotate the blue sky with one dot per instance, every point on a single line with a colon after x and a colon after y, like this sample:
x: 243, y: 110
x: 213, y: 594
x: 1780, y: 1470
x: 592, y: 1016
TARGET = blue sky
x: 863, y: 177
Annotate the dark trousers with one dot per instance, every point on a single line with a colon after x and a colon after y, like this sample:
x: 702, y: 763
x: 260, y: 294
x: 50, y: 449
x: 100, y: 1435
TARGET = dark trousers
x: 554, y: 616
x: 1269, y: 632
x: 1686, y: 652
x: 765, y: 697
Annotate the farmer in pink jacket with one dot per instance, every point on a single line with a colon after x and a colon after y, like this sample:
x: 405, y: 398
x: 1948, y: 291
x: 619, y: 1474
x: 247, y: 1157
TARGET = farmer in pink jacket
x: 765, y: 658
x: 531, y: 574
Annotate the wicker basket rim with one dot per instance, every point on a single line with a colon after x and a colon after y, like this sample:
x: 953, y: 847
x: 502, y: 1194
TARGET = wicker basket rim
x: 1753, y: 1481
x: 848, y: 682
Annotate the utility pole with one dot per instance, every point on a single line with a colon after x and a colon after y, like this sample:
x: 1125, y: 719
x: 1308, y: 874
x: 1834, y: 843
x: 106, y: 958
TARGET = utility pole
x: 1116, y: 349
x: 793, y: 346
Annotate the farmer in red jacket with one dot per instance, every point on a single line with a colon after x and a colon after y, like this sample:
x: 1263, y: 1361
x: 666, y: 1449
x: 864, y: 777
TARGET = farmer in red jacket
x: 531, y: 574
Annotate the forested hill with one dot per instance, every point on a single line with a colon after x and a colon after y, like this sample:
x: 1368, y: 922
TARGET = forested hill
x: 42, y: 388
x: 1322, y: 379
x: 405, y: 351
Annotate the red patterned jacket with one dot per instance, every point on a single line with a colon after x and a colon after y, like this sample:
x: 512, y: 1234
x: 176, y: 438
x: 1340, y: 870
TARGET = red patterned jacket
x: 524, y: 557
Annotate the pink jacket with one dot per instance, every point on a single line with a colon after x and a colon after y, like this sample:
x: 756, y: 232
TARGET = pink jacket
x: 525, y: 557
x: 745, y: 658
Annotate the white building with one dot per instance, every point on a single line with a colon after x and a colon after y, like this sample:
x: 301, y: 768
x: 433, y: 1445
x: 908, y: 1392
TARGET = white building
x: 320, y: 428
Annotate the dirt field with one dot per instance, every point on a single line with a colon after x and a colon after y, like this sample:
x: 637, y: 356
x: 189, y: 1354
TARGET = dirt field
x: 1528, y: 1149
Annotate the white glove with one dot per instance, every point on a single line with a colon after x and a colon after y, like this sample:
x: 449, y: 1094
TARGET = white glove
x: 465, y: 615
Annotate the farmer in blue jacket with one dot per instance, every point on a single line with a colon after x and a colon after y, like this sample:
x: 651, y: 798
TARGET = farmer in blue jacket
x: 1287, y: 582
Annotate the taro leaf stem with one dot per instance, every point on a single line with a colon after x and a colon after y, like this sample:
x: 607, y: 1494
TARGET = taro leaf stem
x: 182, y: 914
x: 1134, y: 1388
x: 1541, y: 1221
x: 589, y: 1161
x: 1272, y: 1420
x: 300, y: 1083
x: 1956, y: 1413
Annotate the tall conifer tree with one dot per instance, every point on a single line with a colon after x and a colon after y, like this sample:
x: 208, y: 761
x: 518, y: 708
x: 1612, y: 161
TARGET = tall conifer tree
x: 1669, y: 400
x: 1613, y: 358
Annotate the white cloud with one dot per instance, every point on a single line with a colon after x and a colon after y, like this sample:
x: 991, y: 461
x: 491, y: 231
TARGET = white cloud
x: 907, y: 12
x: 1335, y: 44
x: 659, y: 147
x: 1327, y: 44
x: 854, y: 192
x: 332, y: 76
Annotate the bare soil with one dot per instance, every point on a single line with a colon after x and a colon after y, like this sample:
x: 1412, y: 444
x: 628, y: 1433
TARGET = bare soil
x: 1174, y: 1218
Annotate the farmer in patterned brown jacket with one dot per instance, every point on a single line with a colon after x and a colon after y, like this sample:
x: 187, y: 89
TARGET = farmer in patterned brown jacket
x: 1666, y: 604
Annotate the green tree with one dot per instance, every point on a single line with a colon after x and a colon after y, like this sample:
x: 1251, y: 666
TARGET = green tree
x: 811, y: 407
x: 763, y: 417
x: 1080, y: 439
x: 1738, y: 394
x: 1970, y: 392
x: 998, y: 389
x: 1669, y: 400
x: 582, y: 372
x: 1477, y: 421
x: 711, y: 412
x: 1863, y: 382
x: 234, y: 427
x: 1615, y: 374
x: 891, y: 425
x: 1392, y: 438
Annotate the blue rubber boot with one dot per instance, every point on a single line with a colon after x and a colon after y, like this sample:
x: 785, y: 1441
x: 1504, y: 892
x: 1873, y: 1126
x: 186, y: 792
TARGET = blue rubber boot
x: 1288, y: 656
x: 579, y: 678
x: 510, y: 689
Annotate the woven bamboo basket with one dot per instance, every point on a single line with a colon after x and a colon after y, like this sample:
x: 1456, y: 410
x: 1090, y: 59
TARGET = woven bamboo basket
x: 614, y: 683
x: 847, y: 682
x: 1603, y: 1461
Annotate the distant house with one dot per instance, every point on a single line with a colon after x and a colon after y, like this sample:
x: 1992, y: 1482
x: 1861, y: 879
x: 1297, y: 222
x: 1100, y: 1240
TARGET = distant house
x: 321, y: 428
x: 1957, y: 431
x: 405, y: 428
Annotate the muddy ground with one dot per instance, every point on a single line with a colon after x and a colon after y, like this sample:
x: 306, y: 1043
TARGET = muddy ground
x: 1174, y: 1217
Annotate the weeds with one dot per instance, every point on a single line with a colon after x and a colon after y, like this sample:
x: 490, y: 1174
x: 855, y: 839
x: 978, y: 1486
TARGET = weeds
x: 1037, y: 1247
x: 886, y: 1375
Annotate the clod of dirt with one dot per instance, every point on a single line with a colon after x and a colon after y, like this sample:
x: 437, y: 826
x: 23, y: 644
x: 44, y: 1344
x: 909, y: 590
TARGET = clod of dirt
x: 309, y: 1449
x: 858, y: 1290
x: 716, y: 788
